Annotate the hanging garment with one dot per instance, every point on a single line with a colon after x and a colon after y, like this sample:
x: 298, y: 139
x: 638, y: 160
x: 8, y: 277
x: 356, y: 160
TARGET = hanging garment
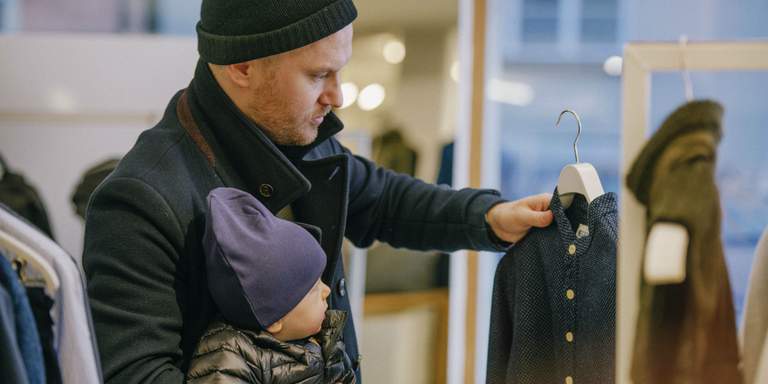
x: 392, y: 152
x: 91, y: 179
x: 553, y: 306
x: 686, y: 332
x: 74, y: 340
x: 25, y: 328
x: 11, y: 361
x: 445, y: 172
x: 23, y: 199
x: 41, y: 307
x: 754, y: 330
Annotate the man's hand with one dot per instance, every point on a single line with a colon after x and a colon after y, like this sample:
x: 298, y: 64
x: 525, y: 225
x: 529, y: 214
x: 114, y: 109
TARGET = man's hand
x: 510, y: 221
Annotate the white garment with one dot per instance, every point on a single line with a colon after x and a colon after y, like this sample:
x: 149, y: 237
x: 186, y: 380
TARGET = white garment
x: 74, y: 339
x: 754, y: 330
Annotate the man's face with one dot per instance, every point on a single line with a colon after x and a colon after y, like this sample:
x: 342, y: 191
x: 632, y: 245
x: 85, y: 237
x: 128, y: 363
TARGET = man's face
x: 296, y: 89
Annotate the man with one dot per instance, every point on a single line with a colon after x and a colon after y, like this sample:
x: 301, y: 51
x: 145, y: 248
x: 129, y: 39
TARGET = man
x: 257, y: 116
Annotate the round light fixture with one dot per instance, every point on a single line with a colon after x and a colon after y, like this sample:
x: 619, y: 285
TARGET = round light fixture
x: 455, y: 71
x: 371, y: 97
x: 394, y: 51
x: 349, y: 92
x: 612, y: 65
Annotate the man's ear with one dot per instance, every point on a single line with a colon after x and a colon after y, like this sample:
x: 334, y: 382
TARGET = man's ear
x: 276, y: 327
x: 240, y: 73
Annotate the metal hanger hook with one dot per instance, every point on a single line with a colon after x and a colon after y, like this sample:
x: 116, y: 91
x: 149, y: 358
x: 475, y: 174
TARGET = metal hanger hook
x: 687, y: 83
x: 578, y: 131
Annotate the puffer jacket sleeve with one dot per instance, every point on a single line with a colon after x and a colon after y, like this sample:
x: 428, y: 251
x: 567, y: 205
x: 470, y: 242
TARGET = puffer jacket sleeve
x: 223, y: 356
x: 338, y: 367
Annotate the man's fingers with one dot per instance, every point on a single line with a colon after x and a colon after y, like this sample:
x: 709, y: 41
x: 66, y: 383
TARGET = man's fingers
x: 538, y: 202
x: 540, y: 219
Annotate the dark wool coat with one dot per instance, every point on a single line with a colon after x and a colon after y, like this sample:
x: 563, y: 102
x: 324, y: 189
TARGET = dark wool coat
x: 227, y: 354
x: 143, y: 256
x: 686, y: 333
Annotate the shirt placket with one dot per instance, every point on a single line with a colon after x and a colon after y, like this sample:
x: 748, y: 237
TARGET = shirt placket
x: 574, y: 249
x: 568, y: 298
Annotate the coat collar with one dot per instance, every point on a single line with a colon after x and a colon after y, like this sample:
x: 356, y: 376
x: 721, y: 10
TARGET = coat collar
x: 580, y: 213
x: 242, y: 155
x: 325, y: 343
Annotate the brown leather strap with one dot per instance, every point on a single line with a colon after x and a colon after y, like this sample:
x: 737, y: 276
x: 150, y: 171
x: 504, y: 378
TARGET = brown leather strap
x: 188, y: 122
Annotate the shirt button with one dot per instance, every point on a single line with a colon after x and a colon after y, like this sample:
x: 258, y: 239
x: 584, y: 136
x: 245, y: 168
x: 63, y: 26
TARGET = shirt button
x: 569, y: 337
x: 570, y: 294
x: 568, y: 380
x: 572, y: 249
x: 266, y: 190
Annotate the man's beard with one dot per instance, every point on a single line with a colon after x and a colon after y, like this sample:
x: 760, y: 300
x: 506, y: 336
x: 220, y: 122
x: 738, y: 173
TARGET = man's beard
x: 281, y: 128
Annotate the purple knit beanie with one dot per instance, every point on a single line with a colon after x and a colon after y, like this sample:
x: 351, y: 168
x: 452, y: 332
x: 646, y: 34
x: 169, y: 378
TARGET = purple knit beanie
x: 259, y: 266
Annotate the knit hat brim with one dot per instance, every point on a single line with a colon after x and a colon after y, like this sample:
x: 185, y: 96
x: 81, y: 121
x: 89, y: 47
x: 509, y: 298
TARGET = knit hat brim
x: 223, y: 50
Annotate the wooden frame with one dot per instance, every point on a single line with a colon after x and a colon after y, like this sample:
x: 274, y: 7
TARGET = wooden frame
x: 479, y: 17
x: 640, y: 61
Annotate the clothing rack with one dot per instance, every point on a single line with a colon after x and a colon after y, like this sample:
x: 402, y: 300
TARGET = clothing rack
x: 640, y: 61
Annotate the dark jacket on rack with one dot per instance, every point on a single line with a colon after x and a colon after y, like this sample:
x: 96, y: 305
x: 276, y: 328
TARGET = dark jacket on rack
x: 229, y: 354
x: 686, y: 332
x: 143, y: 256
x: 18, y: 195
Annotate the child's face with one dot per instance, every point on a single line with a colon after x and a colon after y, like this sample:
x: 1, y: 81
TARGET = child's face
x: 306, y: 318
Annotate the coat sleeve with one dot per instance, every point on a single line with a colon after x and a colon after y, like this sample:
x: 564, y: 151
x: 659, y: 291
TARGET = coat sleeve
x: 407, y: 212
x: 131, y: 247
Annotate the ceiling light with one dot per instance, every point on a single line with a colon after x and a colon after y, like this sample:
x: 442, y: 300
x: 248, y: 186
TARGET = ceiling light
x: 510, y: 92
x: 394, y: 51
x: 349, y: 93
x: 371, y: 97
x: 612, y: 65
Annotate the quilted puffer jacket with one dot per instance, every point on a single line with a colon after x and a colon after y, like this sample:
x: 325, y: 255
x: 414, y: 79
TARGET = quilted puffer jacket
x: 226, y: 354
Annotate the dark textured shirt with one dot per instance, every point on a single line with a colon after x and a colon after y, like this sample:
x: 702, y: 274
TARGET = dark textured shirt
x: 553, y: 313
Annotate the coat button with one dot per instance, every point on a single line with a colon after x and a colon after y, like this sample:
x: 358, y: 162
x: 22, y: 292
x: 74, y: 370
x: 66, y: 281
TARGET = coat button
x: 568, y: 380
x: 569, y: 337
x: 266, y: 190
x: 342, y: 287
x: 570, y: 294
x: 572, y: 249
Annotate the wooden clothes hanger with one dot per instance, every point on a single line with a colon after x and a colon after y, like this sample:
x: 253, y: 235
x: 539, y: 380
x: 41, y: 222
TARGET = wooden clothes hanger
x: 24, y: 258
x: 578, y: 178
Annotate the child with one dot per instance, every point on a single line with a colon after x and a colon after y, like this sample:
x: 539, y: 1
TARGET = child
x: 264, y: 275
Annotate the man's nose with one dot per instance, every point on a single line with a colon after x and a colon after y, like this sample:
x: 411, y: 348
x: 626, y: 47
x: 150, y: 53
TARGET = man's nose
x: 332, y: 95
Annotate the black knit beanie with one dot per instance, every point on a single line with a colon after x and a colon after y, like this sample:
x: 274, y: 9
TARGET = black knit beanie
x: 234, y: 31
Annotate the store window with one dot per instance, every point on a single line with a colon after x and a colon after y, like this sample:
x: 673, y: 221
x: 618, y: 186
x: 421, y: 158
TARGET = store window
x: 528, y: 85
x: 599, y: 22
x: 540, y: 21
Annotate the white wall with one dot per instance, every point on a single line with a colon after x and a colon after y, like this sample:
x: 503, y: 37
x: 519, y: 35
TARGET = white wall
x: 70, y: 101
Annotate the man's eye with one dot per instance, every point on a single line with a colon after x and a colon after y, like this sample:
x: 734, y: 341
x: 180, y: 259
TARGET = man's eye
x: 321, y: 76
